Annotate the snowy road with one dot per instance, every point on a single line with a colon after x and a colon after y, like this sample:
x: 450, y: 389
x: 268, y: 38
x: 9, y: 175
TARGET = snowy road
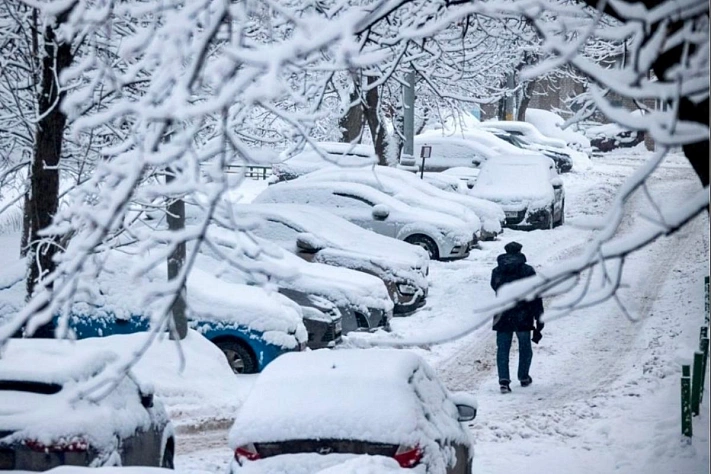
x: 603, y: 398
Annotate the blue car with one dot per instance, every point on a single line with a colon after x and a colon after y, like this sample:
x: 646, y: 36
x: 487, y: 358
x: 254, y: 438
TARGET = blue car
x: 250, y: 325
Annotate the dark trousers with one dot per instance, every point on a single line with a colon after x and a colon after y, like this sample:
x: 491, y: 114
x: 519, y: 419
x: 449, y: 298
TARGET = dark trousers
x: 503, y: 348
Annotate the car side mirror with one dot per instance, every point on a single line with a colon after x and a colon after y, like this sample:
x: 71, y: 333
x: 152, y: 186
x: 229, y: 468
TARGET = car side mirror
x: 466, y: 413
x: 308, y: 243
x: 381, y: 212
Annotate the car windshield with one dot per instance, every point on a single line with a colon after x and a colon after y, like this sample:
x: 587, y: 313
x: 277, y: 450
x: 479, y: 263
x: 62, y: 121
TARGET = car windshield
x: 325, y: 446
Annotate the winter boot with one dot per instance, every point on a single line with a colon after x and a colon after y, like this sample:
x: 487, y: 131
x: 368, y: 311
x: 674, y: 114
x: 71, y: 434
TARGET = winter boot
x: 504, y: 386
x: 527, y: 381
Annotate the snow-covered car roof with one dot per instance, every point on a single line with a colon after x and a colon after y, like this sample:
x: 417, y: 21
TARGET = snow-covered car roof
x: 375, y: 395
x: 516, y: 179
x: 527, y: 130
x: 396, y: 186
x: 416, y: 219
x: 58, y: 372
x: 328, y: 155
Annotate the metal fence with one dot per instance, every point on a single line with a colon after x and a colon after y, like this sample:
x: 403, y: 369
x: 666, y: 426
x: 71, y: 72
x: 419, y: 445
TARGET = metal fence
x: 251, y: 171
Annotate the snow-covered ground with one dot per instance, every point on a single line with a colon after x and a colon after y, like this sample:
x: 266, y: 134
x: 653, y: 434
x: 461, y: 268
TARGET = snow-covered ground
x: 605, y: 396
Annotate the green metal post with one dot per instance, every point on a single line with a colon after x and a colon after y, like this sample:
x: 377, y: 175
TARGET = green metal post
x: 706, y: 300
x: 685, y: 401
x: 696, y: 382
x: 704, y: 346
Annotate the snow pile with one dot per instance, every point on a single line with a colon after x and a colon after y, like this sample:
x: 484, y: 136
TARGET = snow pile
x: 205, y: 390
x: 87, y: 415
x: 121, y: 470
x: 549, y: 124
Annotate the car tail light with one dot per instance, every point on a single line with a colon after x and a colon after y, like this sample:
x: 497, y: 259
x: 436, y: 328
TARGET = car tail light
x: 248, y: 452
x: 61, y: 446
x: 408, y: 456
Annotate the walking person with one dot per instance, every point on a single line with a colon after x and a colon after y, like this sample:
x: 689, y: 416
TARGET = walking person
x: 521, y: 319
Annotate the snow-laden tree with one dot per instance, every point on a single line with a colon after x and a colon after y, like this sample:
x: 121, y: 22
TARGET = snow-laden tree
x: 190, y: 87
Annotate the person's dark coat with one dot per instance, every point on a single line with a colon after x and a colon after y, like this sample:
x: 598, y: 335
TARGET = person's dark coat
x: 512, y: 267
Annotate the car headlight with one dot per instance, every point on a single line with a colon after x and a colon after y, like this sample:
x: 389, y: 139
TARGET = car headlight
x: 407, y: 290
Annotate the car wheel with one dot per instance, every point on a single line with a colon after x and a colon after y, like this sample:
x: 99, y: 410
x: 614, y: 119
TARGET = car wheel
x: 168, y: 455
x: 426, y: 243
x: 551, y: 218
x: 239, y: 357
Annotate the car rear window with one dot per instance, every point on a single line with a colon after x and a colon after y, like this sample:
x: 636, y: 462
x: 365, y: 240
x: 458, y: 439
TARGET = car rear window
x: 31, y: 387
x: 325, y: 446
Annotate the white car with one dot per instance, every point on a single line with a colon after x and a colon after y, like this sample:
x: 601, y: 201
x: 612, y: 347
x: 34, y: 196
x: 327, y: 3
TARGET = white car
x: 490, y: 213
x: 311, y: 411
x: 528, y: 188
x: 442, y: 236
x: 319, y: 236
x: 394, y: 182
x: 325, y: 155
x: 50, y: 417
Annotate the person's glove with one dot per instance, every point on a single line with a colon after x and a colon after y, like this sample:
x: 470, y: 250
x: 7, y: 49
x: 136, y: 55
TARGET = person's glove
x: 540, y: 325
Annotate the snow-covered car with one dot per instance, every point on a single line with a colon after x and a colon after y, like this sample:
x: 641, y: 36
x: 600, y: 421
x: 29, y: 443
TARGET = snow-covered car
x: 550, y: 124
x: 527, y: 188
x: 356, y: 300
x: 314, y: 410
x: 469, y: 148
x: 325, y: 155
x: 563, y: 161
x: 394, y: 182
x: 49, y: 418
x: 250, y: 325
x: 608, y: 137
x: 443, y: 237
x: 318, y: 236
x: 407, y: 187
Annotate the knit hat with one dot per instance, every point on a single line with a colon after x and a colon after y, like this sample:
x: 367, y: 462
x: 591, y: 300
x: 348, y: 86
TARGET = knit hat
x: 513, y: 247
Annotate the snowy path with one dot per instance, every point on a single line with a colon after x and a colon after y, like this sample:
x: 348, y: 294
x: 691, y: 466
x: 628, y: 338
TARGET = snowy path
x: 601, y: 400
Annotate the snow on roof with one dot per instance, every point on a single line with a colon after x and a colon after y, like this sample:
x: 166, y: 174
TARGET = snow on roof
x: 515, y: 180
x: 549, y: 124
x: 338, y: 394
x: 51, y: 361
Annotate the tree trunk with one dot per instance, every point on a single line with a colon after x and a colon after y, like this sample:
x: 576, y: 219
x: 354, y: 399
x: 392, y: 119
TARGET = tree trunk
x: 525, y: 100
x: 375, y: 122
x: 44, y: 172
x: 351, y: 124
x: 176, y: 261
